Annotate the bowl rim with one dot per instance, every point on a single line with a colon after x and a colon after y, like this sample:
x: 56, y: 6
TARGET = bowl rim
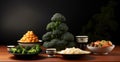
x: 10, y: 46
x: 82, y: 36
x: 100, y: 47
x: 29, y: 42
x: 58, y: 52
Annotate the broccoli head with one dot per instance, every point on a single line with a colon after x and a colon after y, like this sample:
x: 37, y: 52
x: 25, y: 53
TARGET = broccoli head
x: 47, y: 36
x: 58, y: 17
x: 67, y: 36
x: 32, y: 51
x: 51, y: 26
x: 38, y: 49
x: 52, y: 43
x: 62, y: 42
x: 45, y: 44
x: 57, y: 33
x: 63, y: 27
x: 13, y: 50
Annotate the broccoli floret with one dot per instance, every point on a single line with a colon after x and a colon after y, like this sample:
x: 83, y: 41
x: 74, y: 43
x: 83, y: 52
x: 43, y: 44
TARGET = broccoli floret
x: 27, y: 48
x: 58, y: 17
x: 24, y: 51
x: 63, y: 27
x: 57, y: 33
x: 62, y: 42
x: 52, y: 43
x: 47, y: 36
x: 32, y: 51
x: 19, y: 47
x: 45, y: 44
x: 38, y: 49
x: 13, y: 50
x: 51, y: 26
x: 67, y: 37
x: 61, y: 45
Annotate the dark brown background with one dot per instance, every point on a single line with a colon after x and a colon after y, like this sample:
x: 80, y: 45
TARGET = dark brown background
x: 19, y: 16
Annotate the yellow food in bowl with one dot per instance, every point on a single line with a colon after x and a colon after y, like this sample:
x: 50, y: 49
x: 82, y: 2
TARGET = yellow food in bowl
x: 73, y: 51
x: 102, y: 43
x: 29, y: 37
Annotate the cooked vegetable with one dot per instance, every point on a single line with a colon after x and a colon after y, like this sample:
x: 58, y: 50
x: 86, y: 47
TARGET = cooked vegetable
x: 26, y: 50
x: 67, y: 36
x: 58, y: 37
x: 13, y: 50
x: 102, y: 43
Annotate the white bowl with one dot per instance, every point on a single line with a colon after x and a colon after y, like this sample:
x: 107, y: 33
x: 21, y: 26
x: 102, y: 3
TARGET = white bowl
x: 10, y: 46
x: 29, y: 43
x: 101, y: 50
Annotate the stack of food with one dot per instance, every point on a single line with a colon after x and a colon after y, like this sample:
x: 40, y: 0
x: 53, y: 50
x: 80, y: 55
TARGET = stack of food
x: 29, y: 37
x: 73, y: 52
x: 27, y: 45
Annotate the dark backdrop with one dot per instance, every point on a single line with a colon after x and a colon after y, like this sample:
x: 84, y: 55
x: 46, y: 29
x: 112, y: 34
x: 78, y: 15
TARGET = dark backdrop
x: 19, y: 16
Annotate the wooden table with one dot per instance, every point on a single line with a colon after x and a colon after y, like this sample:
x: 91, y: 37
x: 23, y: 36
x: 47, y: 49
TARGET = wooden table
x: 113, y: 56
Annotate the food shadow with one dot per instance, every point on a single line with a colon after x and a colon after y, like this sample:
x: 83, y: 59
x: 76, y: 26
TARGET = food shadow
x: 82, y: 57
x: 37, y: 57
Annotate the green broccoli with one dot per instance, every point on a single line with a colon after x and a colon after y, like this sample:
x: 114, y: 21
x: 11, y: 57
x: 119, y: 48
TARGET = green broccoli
x: 51, y: 26
x: 58, y: 37
x: 62, y: 42
x: 47, y: 36
x: 27, y: 47
x: 57, y: 33
x: 24, y: 51
x: 13, y: 50
x: 38, y: 49
x: 19, y: 48
x: 52, y: 43
x: 32, y: 51
x: 63, y: 27
x: 45, y: 44
x: 58, y: 17
x: 67, y: 36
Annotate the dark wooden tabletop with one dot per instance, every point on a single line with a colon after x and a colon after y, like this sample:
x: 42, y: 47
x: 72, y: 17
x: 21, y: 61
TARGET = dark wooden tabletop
x: 112, y: 56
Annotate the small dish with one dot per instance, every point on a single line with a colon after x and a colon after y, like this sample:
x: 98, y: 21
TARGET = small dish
x: 51, y: 52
